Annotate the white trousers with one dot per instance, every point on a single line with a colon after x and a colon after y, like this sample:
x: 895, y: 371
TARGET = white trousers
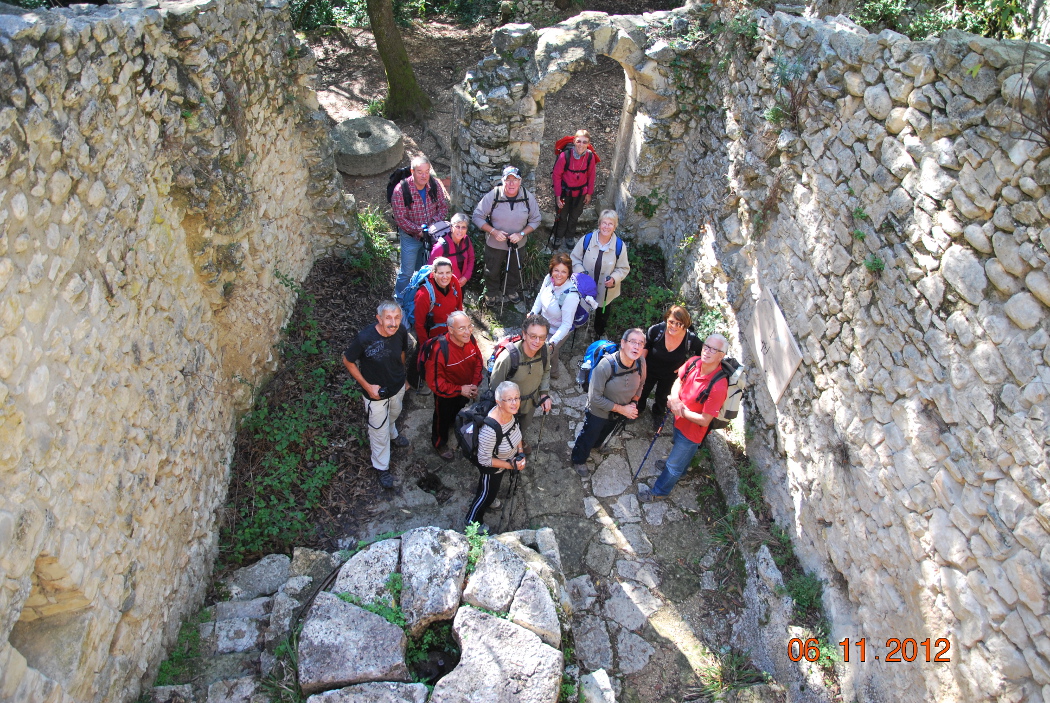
x: 382, y: 414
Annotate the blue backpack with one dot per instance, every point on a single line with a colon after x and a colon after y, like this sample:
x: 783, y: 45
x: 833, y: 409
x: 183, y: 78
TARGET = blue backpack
x: 587, y: 243
x: 596, y: 351
x: 407, y: 299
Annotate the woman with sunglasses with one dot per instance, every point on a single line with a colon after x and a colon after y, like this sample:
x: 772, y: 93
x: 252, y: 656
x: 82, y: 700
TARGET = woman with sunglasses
x: 668, y: 345
x: 498, y: 451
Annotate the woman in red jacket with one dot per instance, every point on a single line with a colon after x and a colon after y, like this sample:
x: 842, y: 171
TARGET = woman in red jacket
x: 431, y: 318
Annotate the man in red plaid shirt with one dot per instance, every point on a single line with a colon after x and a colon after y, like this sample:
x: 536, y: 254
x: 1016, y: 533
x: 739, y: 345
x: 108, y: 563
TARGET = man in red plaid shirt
x: 427, y: 204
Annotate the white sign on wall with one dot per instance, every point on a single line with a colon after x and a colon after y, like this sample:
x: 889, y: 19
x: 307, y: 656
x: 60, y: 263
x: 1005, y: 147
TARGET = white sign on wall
x: 776, y: 351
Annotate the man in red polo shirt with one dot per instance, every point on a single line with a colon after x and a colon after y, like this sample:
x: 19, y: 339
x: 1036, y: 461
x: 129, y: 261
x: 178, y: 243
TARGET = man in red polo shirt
x: 694, y: 402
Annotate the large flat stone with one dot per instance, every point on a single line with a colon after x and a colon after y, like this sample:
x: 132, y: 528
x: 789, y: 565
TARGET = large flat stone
x: 632, y: 652
x: 533, y: 608
x: 433, y: 568
x: 257, y: 608
x: 243, y: 690
x: 593, y: 647
x: 262, y: 578
x: 497, y: 577
x: 365, y: 146
x: 343, y: 644
x: 630, y: 604
x: 501, y: 663
x: 379, y: 692
x: 611, y: 478
x: 365, y: 574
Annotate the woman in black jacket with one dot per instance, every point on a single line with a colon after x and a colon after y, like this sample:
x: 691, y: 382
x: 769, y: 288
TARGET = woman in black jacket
x: 668, y: 345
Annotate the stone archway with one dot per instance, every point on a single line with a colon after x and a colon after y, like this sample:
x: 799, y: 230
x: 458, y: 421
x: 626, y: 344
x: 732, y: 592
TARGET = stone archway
x: 499, y: 106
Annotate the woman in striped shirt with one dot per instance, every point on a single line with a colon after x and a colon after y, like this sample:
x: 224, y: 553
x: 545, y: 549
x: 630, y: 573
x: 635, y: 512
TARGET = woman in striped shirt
x: 497, y: 451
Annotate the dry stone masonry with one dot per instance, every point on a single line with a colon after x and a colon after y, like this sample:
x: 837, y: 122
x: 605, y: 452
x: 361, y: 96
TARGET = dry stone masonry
x: 902, y: 224
x: 159, y: 165
x: 505, y: 617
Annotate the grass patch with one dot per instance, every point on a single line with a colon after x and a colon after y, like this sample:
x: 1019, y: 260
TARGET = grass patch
x: 288, y: 444
x: 181, y: 665
x: 731, y: 671
x: 282, y: 683
x: 477, y: 544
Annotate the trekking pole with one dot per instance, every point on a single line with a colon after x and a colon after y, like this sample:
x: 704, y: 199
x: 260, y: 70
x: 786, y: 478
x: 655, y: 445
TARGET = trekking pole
x: 508, y: 508
x: 506, y: 273
x: 655, y: 437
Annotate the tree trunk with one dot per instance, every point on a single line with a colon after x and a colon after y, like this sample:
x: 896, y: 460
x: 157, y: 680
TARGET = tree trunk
x: 404, y: 96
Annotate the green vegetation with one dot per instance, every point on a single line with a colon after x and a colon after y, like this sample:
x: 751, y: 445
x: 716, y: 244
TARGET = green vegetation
x: 181, y: 665
x: 731, y: 671
x: 312, y: 14
x: 999, y: 19
x: 647, y: 205
x: 375, y: 107
x: 391, y: 613
x: 859, y: 235
x: 377, y: 249
x: 288, y: 444
x: 860, y: 214
x: 282, y: 683
x: 790, y: 79
x: 476, y: 540
x: 436, y: 638
x: 874, y: 264
x: 806, y: 590
x: 751, y: 481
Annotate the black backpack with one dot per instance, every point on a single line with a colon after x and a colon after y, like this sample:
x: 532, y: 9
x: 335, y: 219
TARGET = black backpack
x: 403, y: 174
x: 469, y: 422
x: 523, y: 197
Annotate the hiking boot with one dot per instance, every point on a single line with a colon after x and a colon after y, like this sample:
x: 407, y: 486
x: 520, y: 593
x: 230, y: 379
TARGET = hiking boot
x: 446, y: 453
x: 657, y: 419
x: 645, y: 495
x: 661, y: 463
x: 496, y: 504
x: 400, y: 441
x: 386, y: 479
x: 424, y: 390
x: 514, y: 298
x: 581, y: 469
x: 555, y: 371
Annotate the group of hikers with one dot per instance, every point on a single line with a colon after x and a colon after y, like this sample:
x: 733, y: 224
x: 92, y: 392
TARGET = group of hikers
x: 489, y: 403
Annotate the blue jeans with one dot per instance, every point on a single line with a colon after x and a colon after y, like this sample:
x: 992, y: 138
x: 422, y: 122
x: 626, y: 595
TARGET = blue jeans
x: 678, y: 461
x: 413, y: 256
x: 595, y: 431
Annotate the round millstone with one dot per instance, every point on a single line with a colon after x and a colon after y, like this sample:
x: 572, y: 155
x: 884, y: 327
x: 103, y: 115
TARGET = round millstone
x: 366, y: 146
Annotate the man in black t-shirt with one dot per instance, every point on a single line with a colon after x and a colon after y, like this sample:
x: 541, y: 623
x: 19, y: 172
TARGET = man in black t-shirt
x: 376, y: 360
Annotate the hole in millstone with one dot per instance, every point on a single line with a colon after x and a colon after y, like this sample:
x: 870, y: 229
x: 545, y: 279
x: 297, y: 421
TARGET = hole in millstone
x: 431, y: 483
x: 364, y: 135
x: 433, y: 654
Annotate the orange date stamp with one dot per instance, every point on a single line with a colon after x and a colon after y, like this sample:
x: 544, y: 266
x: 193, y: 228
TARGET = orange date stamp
x: 897, y: 650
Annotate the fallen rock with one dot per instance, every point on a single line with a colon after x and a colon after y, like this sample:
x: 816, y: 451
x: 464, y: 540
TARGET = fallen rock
x: 630, y: 604
x: 313, y: 563
x: 582, y: 592
x: 380, y: 692
x: 496, y: 578
x: 365, y: 574
x: 533, y: 608
x: 343, y: 644
x: 501, y: 662
x: 256, y: 608
x: 596, y: 687
x: 243, y: 690
x: 262, y: 578
x: 172, y: 694
x: 433, y: 566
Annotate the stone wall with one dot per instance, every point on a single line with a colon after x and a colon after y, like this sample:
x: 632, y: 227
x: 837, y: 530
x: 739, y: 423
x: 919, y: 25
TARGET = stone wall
x: 908, y: 456
x: 158, y: 167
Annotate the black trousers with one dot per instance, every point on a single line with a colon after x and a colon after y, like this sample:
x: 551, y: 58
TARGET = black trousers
x: 593, y: 434
x: 663, y: 389
x: 601, y: 319
x: 488, y: 488
x: 565, y: 223
x: 445, y: 410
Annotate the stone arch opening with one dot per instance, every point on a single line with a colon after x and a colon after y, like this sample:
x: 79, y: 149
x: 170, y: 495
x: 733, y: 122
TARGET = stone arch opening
x: 500, y: 105
x: 593, y: 99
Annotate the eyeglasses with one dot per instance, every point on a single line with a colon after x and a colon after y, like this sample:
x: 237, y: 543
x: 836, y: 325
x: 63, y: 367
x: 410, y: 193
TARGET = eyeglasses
x: 463, y: 328
x: 716, y: 350
x: 536, y: 337
x: 635, y: 342
x: 674, y: 323
x: 515, y: 399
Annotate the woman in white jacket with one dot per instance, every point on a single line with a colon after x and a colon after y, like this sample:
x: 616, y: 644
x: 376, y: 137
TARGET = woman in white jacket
x: 603, y: 255
x: 557, y: 301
